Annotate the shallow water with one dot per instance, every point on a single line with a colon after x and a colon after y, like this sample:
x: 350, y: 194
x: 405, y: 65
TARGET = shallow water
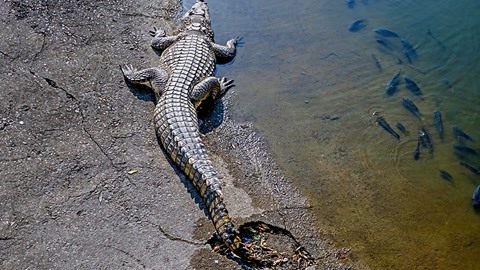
x: 312, y: 87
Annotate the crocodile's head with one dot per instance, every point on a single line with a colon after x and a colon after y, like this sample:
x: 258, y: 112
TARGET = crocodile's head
x: 197, y: 19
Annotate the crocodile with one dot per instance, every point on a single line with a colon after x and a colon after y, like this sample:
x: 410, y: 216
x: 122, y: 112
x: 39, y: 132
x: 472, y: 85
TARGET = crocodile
x: 183, y: 79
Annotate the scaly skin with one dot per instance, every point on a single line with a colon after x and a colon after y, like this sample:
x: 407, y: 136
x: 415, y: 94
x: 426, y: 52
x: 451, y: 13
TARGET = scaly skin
x: 183, y: 79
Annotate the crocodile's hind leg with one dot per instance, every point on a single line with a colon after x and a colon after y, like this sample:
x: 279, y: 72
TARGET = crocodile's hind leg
x: 156, y: 77
x: 211, y: 86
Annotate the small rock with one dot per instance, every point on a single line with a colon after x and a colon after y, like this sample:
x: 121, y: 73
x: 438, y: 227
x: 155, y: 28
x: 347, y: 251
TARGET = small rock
x: 132, y: 171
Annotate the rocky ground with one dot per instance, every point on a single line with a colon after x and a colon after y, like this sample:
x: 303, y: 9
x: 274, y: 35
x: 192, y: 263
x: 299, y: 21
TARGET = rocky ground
x: 83, y: 181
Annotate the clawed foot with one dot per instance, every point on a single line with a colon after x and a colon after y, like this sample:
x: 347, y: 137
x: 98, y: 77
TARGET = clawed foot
x: 225, y: 85
x: 127, y: 70
x: 157, y: 32
x: 236, y: 41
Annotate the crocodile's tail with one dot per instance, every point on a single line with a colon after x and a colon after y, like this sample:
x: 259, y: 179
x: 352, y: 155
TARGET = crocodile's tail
x: 176, y: 126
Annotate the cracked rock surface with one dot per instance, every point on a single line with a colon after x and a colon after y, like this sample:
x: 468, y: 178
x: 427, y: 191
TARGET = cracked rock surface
x: 83, y: 181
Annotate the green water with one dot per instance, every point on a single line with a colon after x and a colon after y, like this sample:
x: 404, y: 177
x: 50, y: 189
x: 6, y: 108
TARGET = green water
x: 300, y: 66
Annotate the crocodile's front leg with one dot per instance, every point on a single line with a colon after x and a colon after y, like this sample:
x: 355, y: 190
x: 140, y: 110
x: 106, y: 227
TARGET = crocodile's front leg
x: 160, y: 40
x: 211, y: 86
x: 157, y: 77
x: 226, y: 53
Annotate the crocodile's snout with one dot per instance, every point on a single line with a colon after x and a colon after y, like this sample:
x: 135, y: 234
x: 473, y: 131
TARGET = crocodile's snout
x: 200, y: 8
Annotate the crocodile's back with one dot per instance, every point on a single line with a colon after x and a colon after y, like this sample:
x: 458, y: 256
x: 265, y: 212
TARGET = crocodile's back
x: 190, y: 60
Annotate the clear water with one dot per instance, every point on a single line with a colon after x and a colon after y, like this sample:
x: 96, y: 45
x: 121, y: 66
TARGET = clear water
x: 300, y: 67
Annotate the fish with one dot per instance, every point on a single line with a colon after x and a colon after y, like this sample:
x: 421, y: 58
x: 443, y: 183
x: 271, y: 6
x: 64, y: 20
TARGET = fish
x: 377, y: 62
x: 385, y: 43
x: 411, y: 107
x: 413, y: 87
x: 329, y: 117
x: 463, y: 149
x: 476, y: 198
x: 425, y: 140
x: 445, y: 175
x: 439, y: 43
x: 447, y: 83
x: 385, y: 33
x: 357, y: 25
x: 392, y: 84
x: 408, y: 50
x: 416, y: 152
x: 471, y: 167
x: 384, y: 124
x: 437, y: 116
x: 351, y: 3
x: 401, y: 127
x: 460, y: 134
